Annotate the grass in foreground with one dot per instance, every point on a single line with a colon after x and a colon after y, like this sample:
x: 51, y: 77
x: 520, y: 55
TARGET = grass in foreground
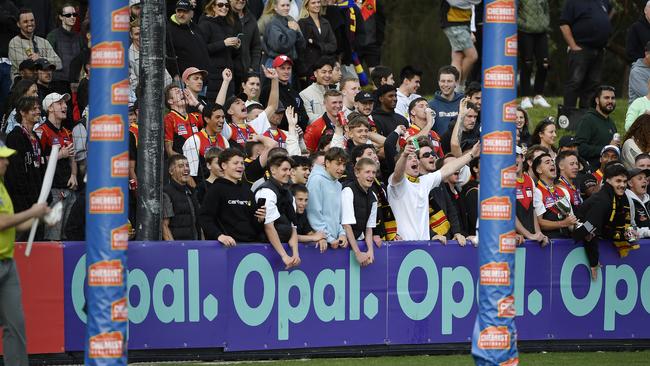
x: 528, y: 359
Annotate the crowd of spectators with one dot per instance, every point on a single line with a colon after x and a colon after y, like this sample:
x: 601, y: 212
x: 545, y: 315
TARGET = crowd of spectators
x: 272, y: 135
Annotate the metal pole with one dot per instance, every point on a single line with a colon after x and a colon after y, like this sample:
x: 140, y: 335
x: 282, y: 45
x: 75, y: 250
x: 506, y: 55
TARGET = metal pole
x: 494, y: 340
x: 107, y: 230
x: 150, y: 123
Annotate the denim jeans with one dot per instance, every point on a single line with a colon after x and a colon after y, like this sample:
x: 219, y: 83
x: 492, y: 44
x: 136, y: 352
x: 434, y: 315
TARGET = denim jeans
x: 585, y: 67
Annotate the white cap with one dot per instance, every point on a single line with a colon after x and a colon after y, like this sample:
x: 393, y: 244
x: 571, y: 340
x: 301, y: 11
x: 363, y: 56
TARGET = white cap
x: 53, y: 98
x: 134, y: 2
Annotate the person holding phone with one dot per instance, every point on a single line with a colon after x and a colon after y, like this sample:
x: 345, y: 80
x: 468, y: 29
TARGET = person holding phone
x: 280, y: 220
x: 229, y: 213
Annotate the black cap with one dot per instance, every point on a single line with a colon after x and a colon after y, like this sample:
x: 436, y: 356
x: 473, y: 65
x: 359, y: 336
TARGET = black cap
x: 384, y: 89
x: 588, y: 181
x: 363, y: 97
x: 44, y: 64
x: 633, y: 172
x: 29, y: 64
x: 226, y: 106
x: 184, y: 4
x: 568, y: 141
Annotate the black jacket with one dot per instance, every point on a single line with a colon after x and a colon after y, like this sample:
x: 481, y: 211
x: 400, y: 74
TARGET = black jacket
x: 318, y: 44
x: 184, y: 224
x: 386, y: 122
x: 229, y: 209
x: 214, y: 30
x: 638, y: 34
x: 249, y: 56
x: 596, y: 213
x: 24, y: 175
x: 68, y: 46
x: 185, y: 48
x: 8, y: 27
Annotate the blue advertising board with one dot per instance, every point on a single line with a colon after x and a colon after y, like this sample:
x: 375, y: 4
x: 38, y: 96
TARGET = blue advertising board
x: 201, y: 295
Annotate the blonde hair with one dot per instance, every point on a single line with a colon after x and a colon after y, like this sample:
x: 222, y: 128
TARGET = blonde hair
x: 270, y: 6
x: 304, y: 11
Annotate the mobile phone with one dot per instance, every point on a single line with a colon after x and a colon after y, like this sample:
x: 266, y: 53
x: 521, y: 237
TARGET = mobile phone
x: 415, y: 143
x: 260, y: 203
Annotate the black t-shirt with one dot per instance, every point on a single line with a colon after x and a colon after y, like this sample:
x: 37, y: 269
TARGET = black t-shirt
x: 589, y: 21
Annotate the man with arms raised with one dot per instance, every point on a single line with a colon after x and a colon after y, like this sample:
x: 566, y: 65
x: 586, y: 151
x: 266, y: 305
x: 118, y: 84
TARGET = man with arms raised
x: 408, y: 192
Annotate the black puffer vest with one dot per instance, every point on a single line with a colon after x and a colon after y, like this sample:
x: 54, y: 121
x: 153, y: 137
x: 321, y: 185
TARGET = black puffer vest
x: 284, y: 202
x: 184, y: 224
x: 363, y: 201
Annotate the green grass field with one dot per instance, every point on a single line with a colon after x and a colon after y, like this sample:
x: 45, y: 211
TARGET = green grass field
x: 528, y: 359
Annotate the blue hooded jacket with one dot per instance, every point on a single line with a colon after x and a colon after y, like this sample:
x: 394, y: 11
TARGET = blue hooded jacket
x: 324, y: 207
x: 444, y: 111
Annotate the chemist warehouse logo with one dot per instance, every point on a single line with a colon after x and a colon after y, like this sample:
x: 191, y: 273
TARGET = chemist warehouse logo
x: 107, y: 128
x: 120, y: 20
x: 120, y: 93
x: 107, y: 201
x: 498, y: 142
x: 506, y: 307
x: 119, y: 310
x: 494, y: 338
x: 120, y: 238
x: 499, y: 77
x: 511, y: 362
x: 495, y: 274
x: 501, y: 11
x: 496, y: 208
x: 510, y: 111
x: 106, y: 345
x: 508, y: 242
x: 108, y: 55
x: 120, y: 165
x: 105, y: 273
x: 511, y: 46
x: 509, y: 177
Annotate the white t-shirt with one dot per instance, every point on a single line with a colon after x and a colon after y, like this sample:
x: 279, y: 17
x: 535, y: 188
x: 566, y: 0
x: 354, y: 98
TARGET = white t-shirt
x: 272, y: 212
x: 347, y: 211
x: 402, y: 107
x: 409, y: 202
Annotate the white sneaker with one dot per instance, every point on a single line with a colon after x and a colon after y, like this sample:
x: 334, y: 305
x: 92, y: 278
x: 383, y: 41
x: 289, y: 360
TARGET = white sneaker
x: 526, y: 103
x: 540, y: 101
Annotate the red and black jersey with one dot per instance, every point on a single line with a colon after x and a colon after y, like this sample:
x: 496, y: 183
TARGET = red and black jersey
x: 240, y: 134
x: 550, y: 195
x: 434, y: 139
x: 525, y: 210
x: 574, y: 192
x: 278, y: 135
x: 49, y: 135
x: 179, y: 128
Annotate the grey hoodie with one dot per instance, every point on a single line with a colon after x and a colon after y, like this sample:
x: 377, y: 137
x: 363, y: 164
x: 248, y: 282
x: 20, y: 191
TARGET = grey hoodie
x: 639, y: 75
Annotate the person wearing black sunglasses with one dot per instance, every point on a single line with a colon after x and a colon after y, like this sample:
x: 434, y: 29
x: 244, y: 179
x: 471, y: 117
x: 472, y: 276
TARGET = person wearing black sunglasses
x: 67, y: 44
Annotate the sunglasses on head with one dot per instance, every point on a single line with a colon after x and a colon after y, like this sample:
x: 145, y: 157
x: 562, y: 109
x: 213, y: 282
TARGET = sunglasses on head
x: 69, y: 15
x: 222, y: 5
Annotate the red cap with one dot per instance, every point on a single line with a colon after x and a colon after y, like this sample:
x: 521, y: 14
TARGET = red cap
x: 281, y: 60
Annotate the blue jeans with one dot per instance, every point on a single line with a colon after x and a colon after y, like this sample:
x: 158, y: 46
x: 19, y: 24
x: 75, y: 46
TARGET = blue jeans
x: 5, y: 84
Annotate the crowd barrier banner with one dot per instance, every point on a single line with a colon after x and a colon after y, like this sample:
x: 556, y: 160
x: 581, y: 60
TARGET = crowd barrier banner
x: 494, y: 339
x: 199, y: 294
x: 107, y: 229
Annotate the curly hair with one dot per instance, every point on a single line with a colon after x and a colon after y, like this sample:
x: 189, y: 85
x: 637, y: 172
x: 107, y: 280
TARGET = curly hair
x: 640, y: 132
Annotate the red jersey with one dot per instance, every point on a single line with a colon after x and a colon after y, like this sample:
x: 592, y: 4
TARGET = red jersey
x: 49, y: 136
x: 550, y: 195
x: 240, y: 134
x: 574, y: 192
x: 183, y: 126
x: 321, y: 126
x: 278, y: 135
x: 206, y: 142
x: 434, y: 138
x: 133, y: 128
x: 524, y: 191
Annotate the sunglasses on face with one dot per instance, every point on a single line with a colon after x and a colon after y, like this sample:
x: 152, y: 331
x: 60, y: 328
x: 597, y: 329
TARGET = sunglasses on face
x: 222, y: 5
x: 69, y: 15
x: 427, y: 155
